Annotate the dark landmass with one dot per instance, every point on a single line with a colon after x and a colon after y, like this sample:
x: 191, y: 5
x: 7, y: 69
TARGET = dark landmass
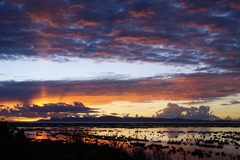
x: 112, y: 121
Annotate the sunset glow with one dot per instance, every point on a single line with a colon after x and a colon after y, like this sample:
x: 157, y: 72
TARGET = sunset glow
x: 148, y: 58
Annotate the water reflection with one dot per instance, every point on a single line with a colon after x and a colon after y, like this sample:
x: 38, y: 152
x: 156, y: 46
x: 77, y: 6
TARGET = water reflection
x: 177, y: 142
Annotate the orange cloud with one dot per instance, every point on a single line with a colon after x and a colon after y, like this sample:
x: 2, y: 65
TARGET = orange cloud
x: 235, y: 5
x: 113, y: 33
x: 210, y: 26
x: 43, y: 17
x: 144, y: 13
x: 179, y: 88
x: 78, y: 6
x: 87, y: 23
x: 143, y: 40
x: 191, y: 8
x: 197, y: 10
x: 49, y: 34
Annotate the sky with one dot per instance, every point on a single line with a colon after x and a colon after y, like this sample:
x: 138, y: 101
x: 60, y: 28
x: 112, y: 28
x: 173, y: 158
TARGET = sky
x: 126, y: 58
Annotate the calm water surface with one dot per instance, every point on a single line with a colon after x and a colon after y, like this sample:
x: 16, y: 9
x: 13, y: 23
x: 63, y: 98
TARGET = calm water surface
x: 177, y: 142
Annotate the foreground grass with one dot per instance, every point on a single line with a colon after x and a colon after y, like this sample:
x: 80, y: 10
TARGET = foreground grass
x: 53, y: 150
x: 14, y: 145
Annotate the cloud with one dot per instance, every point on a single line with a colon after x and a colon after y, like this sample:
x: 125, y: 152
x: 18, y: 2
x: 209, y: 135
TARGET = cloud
x: 228, y: 118
x: 169, y: 31
x: 57, y: 110
x: 235, y: 102
x: 191, y: 87
x: 197, y: 102
x: 232, y: 103
x: 144, y: 101
x: 176, y: 111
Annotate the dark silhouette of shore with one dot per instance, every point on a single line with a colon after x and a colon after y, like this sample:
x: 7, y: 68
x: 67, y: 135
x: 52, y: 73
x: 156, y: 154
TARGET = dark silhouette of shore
x: 142, y: 121
x: 16, y: 146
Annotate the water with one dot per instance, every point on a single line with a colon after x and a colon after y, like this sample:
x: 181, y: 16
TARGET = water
x: 177, y: 142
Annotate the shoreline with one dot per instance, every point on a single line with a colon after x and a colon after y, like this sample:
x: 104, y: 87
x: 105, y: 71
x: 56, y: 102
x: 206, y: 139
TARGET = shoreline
x: 129, y: 124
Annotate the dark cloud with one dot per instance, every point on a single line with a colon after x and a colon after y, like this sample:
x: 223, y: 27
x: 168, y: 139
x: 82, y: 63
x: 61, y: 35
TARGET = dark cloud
x: 144, y: 101
x: 228, y: 118
x: 195, y: 102
x: 20, y: 91
x: 198, y: 87
x: 235, y: 102
x: 178, y: 32
x: 232, y: 103
x: 58, y: 110
x: 176, y: 111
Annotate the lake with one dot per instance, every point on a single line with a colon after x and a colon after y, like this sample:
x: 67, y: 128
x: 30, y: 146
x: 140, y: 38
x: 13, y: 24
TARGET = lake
x: 185, y: 142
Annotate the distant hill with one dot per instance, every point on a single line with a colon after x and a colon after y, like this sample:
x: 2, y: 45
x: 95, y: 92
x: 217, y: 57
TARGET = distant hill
x: 114, y: 119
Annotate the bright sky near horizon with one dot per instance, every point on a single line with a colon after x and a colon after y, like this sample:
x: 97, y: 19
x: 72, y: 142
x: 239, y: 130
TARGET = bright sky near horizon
x: 160, y: 58
x: 81, y: 69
